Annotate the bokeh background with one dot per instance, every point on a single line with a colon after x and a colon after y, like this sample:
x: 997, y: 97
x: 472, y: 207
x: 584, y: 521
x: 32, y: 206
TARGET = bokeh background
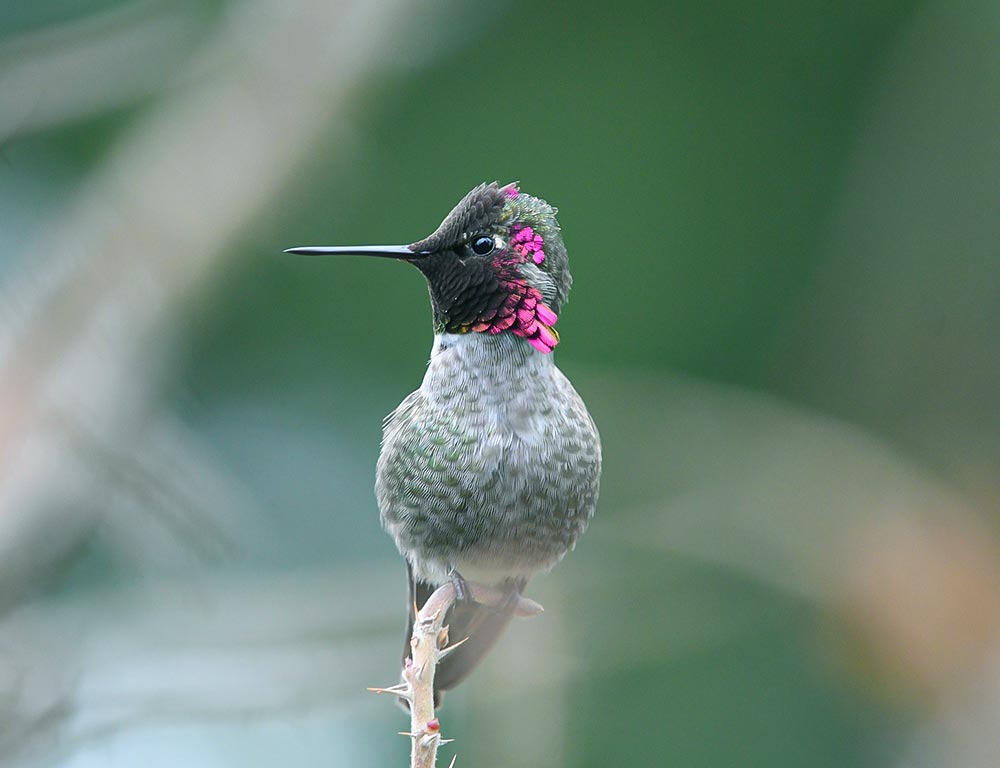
x: 783, y: 223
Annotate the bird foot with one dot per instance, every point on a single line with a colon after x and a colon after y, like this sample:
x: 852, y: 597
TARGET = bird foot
x: 465, y: 594
x: 462, y: 592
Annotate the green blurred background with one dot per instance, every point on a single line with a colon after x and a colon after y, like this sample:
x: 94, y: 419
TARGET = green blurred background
x: 782, y: 224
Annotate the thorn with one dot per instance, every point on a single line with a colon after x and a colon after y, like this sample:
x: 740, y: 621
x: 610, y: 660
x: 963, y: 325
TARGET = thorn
x: 453, y: 758
x: 445, y: 651
x: 402, y: 690
x: 407, y: 733
x: 446, y: 741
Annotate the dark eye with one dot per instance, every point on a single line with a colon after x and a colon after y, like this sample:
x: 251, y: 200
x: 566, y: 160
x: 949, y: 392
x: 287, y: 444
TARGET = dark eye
x: 481, y: 245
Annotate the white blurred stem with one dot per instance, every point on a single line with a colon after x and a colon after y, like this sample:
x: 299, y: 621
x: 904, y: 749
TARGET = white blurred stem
x: 47, y: 77
x: 79, y: 338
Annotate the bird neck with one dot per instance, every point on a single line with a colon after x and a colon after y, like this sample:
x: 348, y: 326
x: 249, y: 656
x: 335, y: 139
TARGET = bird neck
x: 483, y: 361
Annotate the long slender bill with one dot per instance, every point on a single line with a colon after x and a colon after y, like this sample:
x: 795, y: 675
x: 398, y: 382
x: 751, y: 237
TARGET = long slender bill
x: 386, y: 251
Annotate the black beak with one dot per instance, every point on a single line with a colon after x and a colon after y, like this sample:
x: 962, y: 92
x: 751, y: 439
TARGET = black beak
x: 386, y: 251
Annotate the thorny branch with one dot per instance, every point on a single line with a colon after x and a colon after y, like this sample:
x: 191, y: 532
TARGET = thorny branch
x: 428, y: 645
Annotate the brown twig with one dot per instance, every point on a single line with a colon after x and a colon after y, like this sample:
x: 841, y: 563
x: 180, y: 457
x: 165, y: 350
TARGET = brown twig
x: 428, y: 645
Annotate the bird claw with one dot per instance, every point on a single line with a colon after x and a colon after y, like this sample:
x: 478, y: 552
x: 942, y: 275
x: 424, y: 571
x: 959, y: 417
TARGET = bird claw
x: 462, y: 592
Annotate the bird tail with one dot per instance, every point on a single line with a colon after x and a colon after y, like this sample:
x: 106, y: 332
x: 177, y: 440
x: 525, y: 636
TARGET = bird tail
x: 481, y: 624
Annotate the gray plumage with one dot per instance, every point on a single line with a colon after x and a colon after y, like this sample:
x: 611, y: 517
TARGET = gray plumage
x: 492, y: 466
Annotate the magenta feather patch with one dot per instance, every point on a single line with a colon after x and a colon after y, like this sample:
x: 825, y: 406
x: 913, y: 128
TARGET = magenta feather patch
x: 524, y: 314
x: 528, y: 243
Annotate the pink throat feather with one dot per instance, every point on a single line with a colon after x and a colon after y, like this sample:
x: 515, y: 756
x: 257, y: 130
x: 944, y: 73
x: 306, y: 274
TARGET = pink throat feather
x: 524, y: 312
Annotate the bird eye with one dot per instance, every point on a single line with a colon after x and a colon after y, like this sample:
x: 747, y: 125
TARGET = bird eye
x: 482, y: 245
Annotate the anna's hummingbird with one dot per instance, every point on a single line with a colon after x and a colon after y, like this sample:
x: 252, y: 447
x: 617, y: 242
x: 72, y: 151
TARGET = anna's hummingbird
x: 490, y: 470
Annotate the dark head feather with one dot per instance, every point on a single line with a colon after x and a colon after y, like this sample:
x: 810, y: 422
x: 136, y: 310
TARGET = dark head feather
x: 518, y: 286
x: 478, y: 210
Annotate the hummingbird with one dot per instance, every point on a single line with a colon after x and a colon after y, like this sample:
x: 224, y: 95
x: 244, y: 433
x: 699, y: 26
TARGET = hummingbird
x: 490, y: 471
